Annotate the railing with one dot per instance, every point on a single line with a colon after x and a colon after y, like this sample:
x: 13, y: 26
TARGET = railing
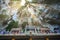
x: 30, y: 37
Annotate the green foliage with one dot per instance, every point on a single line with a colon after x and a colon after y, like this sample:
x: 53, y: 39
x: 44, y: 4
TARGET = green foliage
x: 0, y: 8
x: 34, y: 1
x: 3, y: 17
x: 11, y: 25
x: 4, y: 11
x: 24, y: 24
x: 51, y: 1
x: 15, y: 0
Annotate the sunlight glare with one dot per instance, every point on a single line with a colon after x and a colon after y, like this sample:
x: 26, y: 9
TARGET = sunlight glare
x: 23, y: 2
